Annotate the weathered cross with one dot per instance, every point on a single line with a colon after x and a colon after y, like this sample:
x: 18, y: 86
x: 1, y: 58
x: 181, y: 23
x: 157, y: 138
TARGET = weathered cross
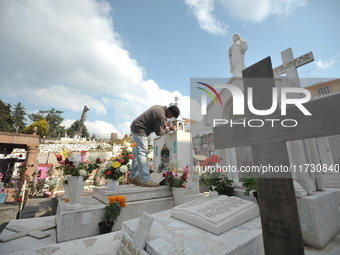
x: 277, y: 202
x: 289, y: 66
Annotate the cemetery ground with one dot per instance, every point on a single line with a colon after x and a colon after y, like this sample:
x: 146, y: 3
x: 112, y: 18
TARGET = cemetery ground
x: 231, y: 226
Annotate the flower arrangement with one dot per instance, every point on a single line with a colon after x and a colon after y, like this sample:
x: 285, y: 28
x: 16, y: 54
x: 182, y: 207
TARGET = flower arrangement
x: 212, y: 160
x: 113, y: 209
x: 119, y: 164
x: 176, y: 178
x: 77, y: 164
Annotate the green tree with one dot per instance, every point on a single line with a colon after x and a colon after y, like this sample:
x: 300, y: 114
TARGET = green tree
x: 18, y: 114
x: 6, y: 120
x: 71, y: 130
x: 42, y: 126
x: 52, y: 117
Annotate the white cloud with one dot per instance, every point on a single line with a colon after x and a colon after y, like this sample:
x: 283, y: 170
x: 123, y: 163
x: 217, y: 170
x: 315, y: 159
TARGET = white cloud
x: 65, y: 42
x: 100, y: 128
x: 246, y: 10
x: 66, y: 54
x: 202, y: 10
x: 257, y: 11
x: 324, y: 64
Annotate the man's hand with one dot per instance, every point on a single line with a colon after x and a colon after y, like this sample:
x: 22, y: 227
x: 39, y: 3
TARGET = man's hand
x: 172, y: 128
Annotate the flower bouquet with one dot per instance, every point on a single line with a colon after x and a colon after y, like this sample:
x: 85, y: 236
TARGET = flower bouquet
x: 77, y: 164
x: 176, y: 178
x: 111, y: 213
x: 119, y: 164
x: 78, y: 167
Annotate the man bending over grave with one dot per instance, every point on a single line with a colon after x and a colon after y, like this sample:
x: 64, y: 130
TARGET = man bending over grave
x: 152, y: 120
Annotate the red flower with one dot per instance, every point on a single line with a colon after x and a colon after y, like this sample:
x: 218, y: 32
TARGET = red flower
x: 122, y: 161
x: 19, y: 199
x: 20, y: 155
x: 97, y: 160
x: 120, y: 155
x: 108, y: 172
x: 131, y: 156
x: 183, y: 186
x: 59, y: 157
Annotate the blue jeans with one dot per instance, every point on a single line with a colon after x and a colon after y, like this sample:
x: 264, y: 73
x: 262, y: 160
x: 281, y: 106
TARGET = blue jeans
x: 139, y: 167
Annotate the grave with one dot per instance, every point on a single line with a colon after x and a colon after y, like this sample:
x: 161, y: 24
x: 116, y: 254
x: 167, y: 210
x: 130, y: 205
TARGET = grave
x: 169, y: 235
x: 216, y: 214
x: 280, y: 218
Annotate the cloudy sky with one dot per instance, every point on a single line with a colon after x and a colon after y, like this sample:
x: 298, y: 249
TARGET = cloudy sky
x: 120, y: 57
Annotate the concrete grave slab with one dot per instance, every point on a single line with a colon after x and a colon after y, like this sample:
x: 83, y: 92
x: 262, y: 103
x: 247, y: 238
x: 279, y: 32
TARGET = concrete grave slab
x: 216, y: 214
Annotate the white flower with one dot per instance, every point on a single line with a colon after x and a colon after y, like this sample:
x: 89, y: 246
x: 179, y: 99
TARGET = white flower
x: 108, y: 164
x: 82, y: 172
x: 75, y: 158
x: 129, y: 149
x: 123, y: 169
x: 127, y: 144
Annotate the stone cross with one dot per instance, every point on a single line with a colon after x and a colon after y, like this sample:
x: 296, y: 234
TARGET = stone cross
x: 22, y: 231
x: 135, y: 245
x: 277, y: 201
x: 289, y: 66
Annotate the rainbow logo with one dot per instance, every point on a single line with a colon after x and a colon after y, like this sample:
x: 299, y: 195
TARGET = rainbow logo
x: 204, y: 98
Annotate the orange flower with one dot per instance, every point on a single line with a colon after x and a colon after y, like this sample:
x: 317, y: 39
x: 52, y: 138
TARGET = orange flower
x: 133, y: 145
x: 112, y: 199
x: 66, y: 199
x: 122, y: 204
x: 121, y: 199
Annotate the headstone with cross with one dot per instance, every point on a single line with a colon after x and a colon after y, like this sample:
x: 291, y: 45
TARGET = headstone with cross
x: 135, y: 245
x: 289, y: 67
x: 277, y: 201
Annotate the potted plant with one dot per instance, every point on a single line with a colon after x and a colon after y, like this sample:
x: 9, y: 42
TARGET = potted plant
x: 250, y: 184
x: 111, y: 213
x: 216, y: 181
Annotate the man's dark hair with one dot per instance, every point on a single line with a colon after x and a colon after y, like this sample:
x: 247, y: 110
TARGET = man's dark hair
x: 174, y: 110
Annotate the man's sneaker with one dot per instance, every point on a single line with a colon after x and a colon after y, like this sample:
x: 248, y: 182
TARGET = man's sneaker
x: 149, y: 183
x: 134, y: 181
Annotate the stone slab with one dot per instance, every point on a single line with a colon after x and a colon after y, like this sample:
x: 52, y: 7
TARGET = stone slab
x: 171, y: 236
x: 84, y: 222
x: 81, y: 223
x: 216, y: 214
x: 132, y: 192
x: 319, y: 218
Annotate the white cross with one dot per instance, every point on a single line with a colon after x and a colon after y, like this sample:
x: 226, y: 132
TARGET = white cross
x: 290, y: 64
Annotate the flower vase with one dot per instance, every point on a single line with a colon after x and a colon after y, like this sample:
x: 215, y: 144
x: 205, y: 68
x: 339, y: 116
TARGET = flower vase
x: 3, y: 197
x: 112, y: 184
x: 105, y: 228
x: 76, y: 187
x: 178, y: 194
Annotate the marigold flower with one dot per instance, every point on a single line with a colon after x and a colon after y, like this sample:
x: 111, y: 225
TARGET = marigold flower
x: 111, y: 199
x: 123, y: 204
x: 133, y: 145
x: 121, y: 199
x: 67, y: 200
